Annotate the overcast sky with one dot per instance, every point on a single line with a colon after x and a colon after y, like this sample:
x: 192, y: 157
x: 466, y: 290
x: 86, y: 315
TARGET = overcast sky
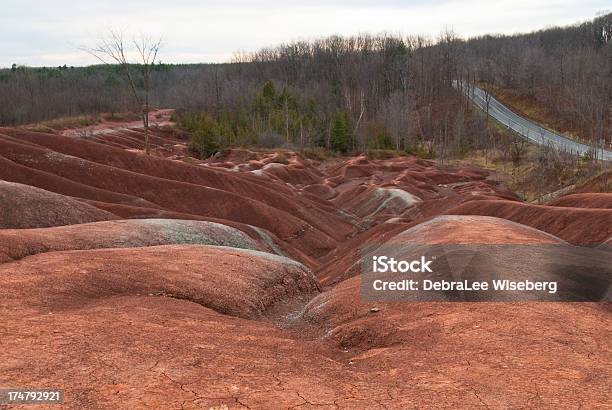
x: 50, y: 32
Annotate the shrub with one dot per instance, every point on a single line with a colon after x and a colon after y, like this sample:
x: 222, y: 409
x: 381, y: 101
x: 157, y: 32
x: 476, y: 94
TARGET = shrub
x: 383, y: 154
x: 281, y: 158
x: 204, y: 132
x: 340, y: 132
x: 421, y: 151
x: 382, y: 141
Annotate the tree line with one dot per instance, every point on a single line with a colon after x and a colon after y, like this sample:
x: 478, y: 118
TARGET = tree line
x: 347, y: 93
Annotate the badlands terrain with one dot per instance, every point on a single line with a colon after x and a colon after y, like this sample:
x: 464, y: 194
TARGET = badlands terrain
x: 161, y: 281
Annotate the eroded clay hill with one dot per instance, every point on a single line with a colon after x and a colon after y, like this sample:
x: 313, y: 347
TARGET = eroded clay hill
x: 166, y: 282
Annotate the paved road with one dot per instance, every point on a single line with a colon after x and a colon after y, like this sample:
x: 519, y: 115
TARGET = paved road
x: 527, y: 128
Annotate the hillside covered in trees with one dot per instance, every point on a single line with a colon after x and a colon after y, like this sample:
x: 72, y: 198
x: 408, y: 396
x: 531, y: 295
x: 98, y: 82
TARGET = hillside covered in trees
x: 347, y: 93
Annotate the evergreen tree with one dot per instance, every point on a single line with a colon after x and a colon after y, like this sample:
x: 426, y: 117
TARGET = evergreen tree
x: 340, y: 132
x: 205, y: 134
x: 269, y: 93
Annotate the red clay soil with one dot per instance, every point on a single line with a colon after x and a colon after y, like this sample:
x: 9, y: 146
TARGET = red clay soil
x: 346, y: 261
x: 497, y: 353
x: 179, y: 354
x: 590, y: 200
x: 464, y: 342
x: 601, y: 183
x: 157, y: 118
x: 185, y: 197
x: 472, y: 230
x: 258, y: 234
x: 274, y: 318
x: 343, y: 262
x: 579, y: 226
x: 14, y: 172
x: 24, y: 206
x: 139, y: 212
x: 19, y: 243
x: 210, y: 276
x: 146, y: 338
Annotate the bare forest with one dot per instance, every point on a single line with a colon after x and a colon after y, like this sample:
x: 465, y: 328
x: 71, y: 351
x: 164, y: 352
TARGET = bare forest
x: 347, y: 93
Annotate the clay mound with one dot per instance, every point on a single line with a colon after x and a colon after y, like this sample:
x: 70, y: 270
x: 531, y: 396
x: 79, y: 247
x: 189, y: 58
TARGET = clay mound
x: 441, y: 177
x: 108, y: 174
x: 199, y: 326
x: 13, y: 172
x: 357, y: 171
x: 372, y: 329
x: 141, y: 212
x: 475, y: 190
x: 160, y: 352
x: 132, y: 306
x: 24, y: 206
x: 296, y: 175
x: 235, y: 155
x: 473, y: 230
x: 227, y: 165
x: 576, y: 225
x: 270, y: 242
x: 434, y: 207
x: 511, y: 252
x: 343, y: 263
x: 321, y: 191
x: 590, y: 200
x: 17, y: 244
x: 190, y: 198
x: 385, y: 337
x: 421, y: 179
x: 212, y: 276
x: 346, y: 262
x: 373, y: 201
x: 473, y: 173
x: 163, y: 142
x: 103, y: 154
x: 358, y: 167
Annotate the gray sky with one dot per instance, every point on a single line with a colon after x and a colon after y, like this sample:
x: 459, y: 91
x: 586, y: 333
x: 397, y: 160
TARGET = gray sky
x: 50, y: 32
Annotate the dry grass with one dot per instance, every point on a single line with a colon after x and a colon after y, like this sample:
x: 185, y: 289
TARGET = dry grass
x: 281, y: 158
x: 80, y: 121
x: 540, y: 172
x: 383, y: 154
x: 528, y: 106
x: 65, y: 123
x: 317, y: 153
x: 122, y: 116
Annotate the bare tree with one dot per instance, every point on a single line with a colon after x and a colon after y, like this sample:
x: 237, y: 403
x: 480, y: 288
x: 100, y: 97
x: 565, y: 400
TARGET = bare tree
x: 518, y: 150
x: 114, y: 50
x: 397, y: 112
